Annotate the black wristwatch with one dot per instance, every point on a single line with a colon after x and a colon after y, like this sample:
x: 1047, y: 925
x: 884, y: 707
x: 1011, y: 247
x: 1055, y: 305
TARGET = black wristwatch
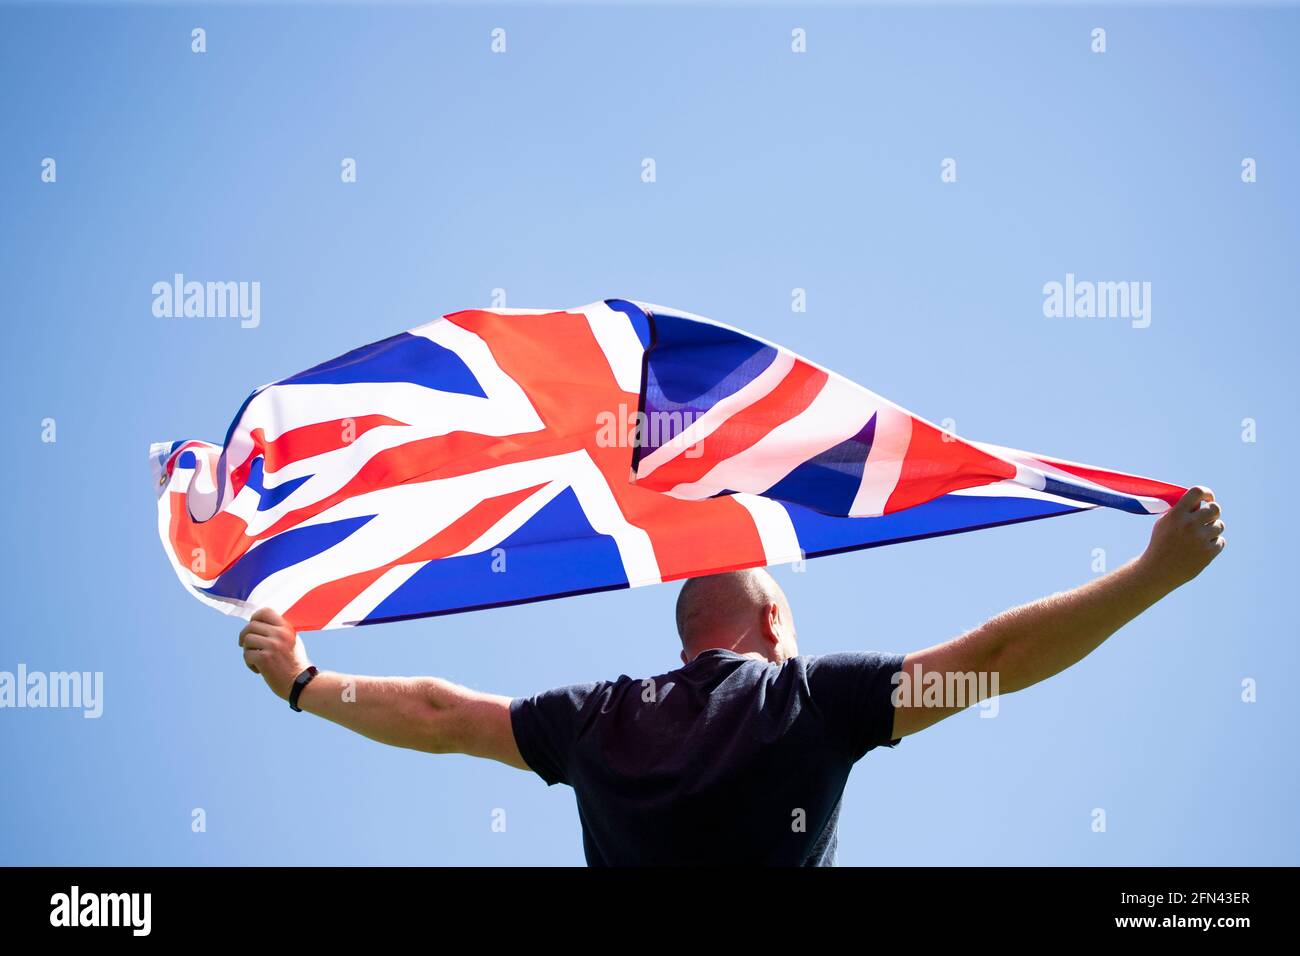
x: 299, y: 682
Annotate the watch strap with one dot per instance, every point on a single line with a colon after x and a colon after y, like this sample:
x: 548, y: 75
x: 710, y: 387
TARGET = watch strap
x: 299, y: 682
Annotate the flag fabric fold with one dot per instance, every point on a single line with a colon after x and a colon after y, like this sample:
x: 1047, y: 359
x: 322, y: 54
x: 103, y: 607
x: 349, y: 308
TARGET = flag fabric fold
x: 500, y: 456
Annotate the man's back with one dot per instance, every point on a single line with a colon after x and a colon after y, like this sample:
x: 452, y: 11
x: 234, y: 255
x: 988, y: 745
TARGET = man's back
x: 725, y: 760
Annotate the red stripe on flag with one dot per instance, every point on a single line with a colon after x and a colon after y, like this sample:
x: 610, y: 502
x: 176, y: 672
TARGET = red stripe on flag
x: 316, y: 439
x: 742, y: 430
x: 322, y: 604
x: 937, y: 463
x: 207, y: 548
x: 1121, y: 482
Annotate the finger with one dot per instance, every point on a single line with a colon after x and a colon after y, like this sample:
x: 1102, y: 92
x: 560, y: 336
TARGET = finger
x: 1220, y: 543
x: 1209, y: 513
x: 256, y: 630
x: 1214, y: 529
x: 267, y: 616
x: 249, y: 658
x: 1193, y: 497
x: 260, y: 627
x: 257, y: 642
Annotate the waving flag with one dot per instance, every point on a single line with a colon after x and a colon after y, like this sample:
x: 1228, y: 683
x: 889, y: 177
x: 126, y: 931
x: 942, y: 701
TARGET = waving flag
x: 499, y: 456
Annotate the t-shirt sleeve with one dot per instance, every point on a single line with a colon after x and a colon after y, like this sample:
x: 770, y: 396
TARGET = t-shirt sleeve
x: 853, y: 692
x: 547, y: 725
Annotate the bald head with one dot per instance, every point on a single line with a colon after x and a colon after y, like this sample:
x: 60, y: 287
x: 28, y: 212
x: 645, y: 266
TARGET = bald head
x: 743, y: 611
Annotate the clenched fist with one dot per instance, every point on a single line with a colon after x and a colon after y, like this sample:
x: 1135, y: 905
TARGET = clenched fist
x: 1186, y: 538
x: 273, y: 649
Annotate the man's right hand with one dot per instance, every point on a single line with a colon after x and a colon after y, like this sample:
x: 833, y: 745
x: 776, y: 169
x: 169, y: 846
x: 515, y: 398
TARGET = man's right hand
x: 1185, y: 539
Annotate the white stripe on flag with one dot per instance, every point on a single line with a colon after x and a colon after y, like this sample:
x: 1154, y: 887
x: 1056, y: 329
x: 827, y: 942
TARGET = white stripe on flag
x: 1032, y: 472
x: 775, y: 529
x: 1014, y: 489
x: 601, y: 508
x: 618, y: 340
x: 717, y: 416
x: 836, y: 414
x: 884, y: 462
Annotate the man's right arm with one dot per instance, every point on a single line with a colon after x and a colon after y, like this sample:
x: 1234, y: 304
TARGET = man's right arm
x: 1028, y: 644
x: 421, y: 713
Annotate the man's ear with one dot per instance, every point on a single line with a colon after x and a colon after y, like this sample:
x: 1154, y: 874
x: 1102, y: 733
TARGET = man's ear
x: 772, y: 623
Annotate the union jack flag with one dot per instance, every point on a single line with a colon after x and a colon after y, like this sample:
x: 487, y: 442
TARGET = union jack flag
x: 500, y: 456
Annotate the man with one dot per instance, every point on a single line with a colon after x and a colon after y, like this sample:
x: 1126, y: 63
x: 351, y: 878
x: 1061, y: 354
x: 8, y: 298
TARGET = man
x: 740, y: 755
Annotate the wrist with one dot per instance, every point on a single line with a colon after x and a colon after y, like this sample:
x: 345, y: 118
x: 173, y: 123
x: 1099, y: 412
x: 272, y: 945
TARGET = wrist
x: 301, y: 682
x: 1153, y: 576
x: 284, y: 687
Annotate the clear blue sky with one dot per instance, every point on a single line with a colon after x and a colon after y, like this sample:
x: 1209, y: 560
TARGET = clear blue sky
x: 775, y: 170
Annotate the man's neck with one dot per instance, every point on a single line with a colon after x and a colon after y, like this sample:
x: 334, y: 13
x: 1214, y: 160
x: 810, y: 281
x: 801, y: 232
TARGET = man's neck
x: 751, y: 655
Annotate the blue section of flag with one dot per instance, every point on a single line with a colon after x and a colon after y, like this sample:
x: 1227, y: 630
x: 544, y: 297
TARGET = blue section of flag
x: 826, y: 534
x: 1093, y: 496
x: 829, y: 482
x: 278, y: 552
x: 637, y: 318
x: 551, y: 552
x: 690, y: 367
x: 270, y: 497
x: 402, y: 358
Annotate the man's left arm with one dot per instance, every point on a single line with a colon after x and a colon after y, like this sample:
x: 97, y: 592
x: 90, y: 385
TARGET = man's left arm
x: 1028, y: 644
x: 419, y: 713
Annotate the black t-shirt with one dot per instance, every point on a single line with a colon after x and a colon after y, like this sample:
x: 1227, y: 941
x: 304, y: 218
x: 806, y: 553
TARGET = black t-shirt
x: 726, y: 760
